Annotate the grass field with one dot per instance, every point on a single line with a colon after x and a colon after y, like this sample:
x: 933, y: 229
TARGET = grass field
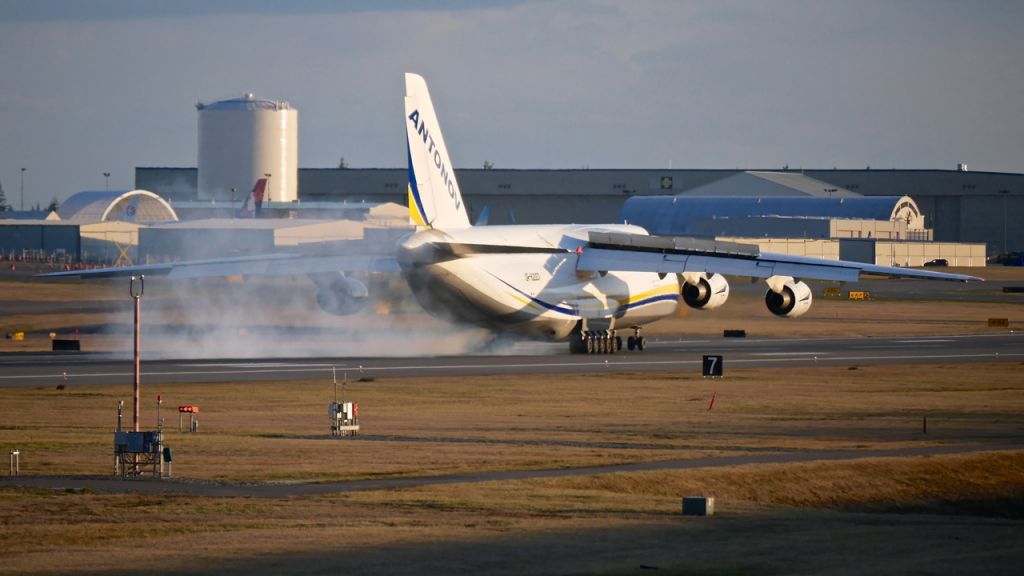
x: 951, y: 514
x: 277, y: 431
x: 947, y: 514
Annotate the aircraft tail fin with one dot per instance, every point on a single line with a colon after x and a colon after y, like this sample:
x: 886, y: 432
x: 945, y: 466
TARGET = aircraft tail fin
x: 484, y: 217
x: 257, y: 197
x: 434, y: 197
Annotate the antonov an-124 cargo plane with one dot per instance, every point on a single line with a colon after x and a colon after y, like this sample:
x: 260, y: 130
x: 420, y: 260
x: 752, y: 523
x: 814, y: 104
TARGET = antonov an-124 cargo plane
x: 584, y: 283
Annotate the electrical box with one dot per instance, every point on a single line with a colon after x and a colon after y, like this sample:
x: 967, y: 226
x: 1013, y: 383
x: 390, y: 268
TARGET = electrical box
x: 138, y: 453
x: 137, y: 442
x: 698, y: 506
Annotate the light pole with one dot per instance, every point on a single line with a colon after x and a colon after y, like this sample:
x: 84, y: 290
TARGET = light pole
x: 23, y: 188
x: 267, y: 194
x: 107, y: 176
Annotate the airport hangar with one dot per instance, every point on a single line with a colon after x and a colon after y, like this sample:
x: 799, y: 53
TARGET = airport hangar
x: 865, y: 220
x: 962, y: 209
x: 92, y: 226
x: 138, y: 227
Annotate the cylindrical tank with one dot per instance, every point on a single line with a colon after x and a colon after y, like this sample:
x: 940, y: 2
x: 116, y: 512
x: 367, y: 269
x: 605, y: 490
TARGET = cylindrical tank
x: 242, y: 140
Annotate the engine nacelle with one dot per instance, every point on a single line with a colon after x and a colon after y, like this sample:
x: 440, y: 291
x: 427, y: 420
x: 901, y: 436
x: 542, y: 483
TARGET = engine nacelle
x: 786, y: 297
x: 339, y: 295
x: 703, y: 292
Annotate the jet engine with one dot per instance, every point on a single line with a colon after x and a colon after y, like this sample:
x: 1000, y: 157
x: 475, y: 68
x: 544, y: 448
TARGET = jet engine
x: 338, y: 294
x: 704, y: 292
x: 787, y: 297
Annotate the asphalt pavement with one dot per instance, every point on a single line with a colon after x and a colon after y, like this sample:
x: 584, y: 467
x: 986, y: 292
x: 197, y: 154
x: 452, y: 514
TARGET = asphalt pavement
x: 665, y: 354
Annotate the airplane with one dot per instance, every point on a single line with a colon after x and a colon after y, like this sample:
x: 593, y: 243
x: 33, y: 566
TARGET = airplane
x: 582, y: 283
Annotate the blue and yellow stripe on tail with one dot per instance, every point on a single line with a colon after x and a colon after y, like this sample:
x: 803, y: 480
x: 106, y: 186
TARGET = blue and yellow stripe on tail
x: 417, y: 215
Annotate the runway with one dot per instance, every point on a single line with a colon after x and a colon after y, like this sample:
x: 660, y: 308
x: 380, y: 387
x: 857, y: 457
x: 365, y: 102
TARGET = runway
x: 665, y: 354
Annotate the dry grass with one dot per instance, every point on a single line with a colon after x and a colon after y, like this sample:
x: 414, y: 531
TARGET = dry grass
x: 278, y: 431
x: 571, y: 515
x: 38, y: 290
x: 988, y: 484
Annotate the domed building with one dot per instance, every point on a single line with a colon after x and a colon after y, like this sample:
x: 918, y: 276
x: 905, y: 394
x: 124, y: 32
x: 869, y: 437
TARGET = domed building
x: 139, y: 206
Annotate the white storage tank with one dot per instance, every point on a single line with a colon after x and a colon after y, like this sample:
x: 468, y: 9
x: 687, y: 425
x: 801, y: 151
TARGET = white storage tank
x: 242, y: 140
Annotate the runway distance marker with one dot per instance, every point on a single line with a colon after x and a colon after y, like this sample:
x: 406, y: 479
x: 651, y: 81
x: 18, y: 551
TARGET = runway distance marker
x: 712, y: 366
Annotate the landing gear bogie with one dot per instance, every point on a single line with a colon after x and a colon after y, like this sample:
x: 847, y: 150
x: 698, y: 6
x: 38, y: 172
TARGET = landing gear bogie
x: 602, y: 342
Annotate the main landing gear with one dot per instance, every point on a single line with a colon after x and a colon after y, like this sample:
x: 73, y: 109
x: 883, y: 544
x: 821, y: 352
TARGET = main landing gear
x: 604, y: 342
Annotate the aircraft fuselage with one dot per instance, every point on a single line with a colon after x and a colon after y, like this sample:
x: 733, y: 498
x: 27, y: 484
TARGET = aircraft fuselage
x: 524, y: 278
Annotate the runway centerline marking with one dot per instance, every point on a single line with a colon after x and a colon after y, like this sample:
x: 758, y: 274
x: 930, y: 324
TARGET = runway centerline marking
x: 252, y: 365
x: 790, y: 353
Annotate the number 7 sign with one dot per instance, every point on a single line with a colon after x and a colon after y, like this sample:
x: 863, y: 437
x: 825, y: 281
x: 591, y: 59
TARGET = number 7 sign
x: 713, y: 366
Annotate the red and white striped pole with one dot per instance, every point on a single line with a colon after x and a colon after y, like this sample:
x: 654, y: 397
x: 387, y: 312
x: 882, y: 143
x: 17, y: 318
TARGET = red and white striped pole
x: 137, y: 296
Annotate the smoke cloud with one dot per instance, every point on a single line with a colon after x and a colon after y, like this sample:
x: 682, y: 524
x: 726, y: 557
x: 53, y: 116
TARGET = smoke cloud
x: 278, y: 317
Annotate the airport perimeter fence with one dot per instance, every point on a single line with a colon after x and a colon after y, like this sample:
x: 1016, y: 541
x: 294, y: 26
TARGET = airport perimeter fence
x: 56, y: 257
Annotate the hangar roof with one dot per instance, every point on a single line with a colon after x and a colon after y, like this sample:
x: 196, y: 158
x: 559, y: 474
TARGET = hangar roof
x: 29, y: 215
x: 757, y: 183
x: 130, y: 206
x: 678, y: 214
x: 30, y: 223
x: 234, y: 223
x: 286, y: 231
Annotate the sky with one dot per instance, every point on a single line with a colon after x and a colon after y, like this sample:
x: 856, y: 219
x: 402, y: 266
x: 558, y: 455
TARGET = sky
x: 108, y: 85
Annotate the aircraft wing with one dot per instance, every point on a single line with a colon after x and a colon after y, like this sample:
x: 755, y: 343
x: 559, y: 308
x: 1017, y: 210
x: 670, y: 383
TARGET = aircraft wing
x: 607, y: 251
x: 284, y: 264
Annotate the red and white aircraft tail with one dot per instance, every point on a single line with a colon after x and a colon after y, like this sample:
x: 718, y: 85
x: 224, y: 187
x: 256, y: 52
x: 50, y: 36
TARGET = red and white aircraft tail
x: 257, y: 199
